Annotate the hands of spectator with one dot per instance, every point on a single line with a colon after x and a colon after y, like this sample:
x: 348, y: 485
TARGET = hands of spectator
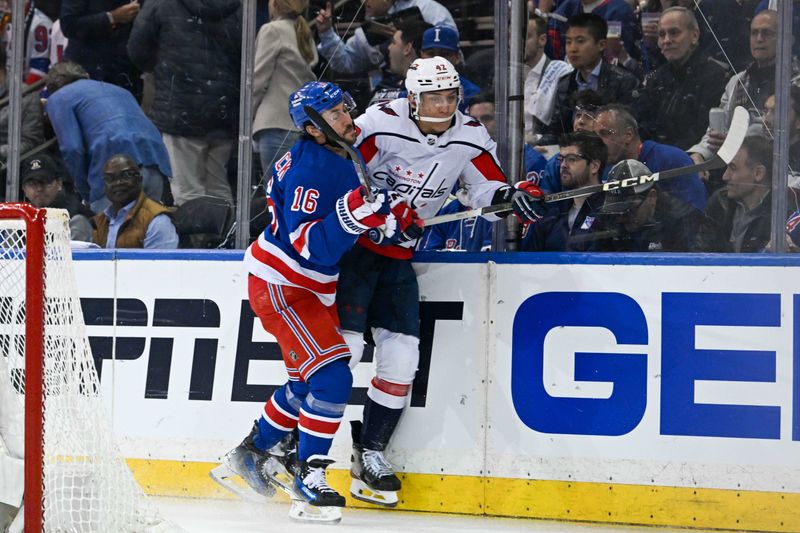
x: 125, y: 13
x: 715, y: 140
x: 324, y: 18
x: 545, y: 6
x: 697, y: 159
x: 650, y: 34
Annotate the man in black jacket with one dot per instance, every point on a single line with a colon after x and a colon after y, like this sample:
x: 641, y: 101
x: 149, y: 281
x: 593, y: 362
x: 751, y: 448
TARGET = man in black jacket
x: 738, y: 215
x: 42, y: 184
x: 585, y: 43
x: 98, y: 32
x: 672, y: 108
x: 193, y: 48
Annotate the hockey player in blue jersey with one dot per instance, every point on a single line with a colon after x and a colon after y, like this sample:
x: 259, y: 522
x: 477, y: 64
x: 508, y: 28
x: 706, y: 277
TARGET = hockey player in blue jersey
x: 318, y: 210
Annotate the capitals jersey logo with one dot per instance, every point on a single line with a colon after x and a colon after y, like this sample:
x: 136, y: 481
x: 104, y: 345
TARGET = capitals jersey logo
x: 414, y: 184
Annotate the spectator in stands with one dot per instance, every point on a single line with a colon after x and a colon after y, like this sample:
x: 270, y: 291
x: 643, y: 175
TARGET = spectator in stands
x: 98, y: 33
x: 737, y: 218
x: 285, y: 55
x: 94, y: 120
x: 43, y: 187
x: 131, y: 220
x: 723, y: 27
x: 193, y: 48
x: 645, y: 218
x: 403, y: 50
x: 587, y: 104
x: 749, y: 88
x: 615, y: 11
x: 673, y: 105
x: 443, y: 41
x: 794, y: 127
x: 482, y: 109
x: 38, y: 41
x: 619, y: 130
x: 568, y: 224
x: 763, y: 5
x: 31, y: 132
x: 358, y: 54
x: 585, y: 42
x: 536, y: 64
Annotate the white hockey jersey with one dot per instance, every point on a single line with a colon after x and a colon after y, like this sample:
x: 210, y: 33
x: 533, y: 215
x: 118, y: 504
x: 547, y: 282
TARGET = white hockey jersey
x: 424, y: 168
x: 37, y: 52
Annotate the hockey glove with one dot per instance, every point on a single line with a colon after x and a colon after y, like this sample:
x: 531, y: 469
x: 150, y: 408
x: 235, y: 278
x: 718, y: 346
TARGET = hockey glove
x: 409, y: 225
x: 356, y: 214
x: 528, y: 202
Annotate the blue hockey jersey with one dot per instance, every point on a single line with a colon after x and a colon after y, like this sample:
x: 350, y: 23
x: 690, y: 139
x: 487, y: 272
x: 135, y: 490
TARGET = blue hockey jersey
x: 305, y: 240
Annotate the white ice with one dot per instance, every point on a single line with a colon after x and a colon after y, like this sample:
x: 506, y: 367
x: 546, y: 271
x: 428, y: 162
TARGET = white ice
x: 226, y: 516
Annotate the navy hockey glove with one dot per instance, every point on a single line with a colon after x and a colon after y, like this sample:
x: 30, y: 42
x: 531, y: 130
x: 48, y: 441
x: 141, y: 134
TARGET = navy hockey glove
x: 357, y: 214
x: 528, y: 202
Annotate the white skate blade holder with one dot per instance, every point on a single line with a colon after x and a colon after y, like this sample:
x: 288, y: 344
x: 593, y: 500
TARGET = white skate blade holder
x: 361, y: 491
x: 302, y: 511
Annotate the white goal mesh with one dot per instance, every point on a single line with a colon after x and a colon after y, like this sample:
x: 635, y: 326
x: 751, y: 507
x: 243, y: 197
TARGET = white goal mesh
x: 87, y: 485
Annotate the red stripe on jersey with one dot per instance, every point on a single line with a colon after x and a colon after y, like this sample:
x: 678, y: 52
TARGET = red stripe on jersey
x: 325, y: 427
x: 292, y: 276
x: 368, y: 148
x: 393, y: 251
x: 300, y: 242
x: 395, y: 389
x: 487, y: 166
x: 276, y: 417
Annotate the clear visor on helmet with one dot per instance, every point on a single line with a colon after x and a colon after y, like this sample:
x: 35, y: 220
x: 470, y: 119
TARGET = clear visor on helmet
x: 335, y: 115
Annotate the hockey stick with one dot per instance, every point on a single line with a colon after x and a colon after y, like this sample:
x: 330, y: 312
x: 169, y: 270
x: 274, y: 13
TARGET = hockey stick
x: 736, y: 134
x: 323, y: 125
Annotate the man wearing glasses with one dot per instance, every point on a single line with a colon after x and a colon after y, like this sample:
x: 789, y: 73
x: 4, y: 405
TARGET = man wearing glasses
x: 749, y: 88
x: 567, y: 226
x: 132, y: 220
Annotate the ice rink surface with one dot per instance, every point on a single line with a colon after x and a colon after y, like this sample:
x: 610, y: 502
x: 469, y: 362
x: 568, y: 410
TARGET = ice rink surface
x: 226, y: 516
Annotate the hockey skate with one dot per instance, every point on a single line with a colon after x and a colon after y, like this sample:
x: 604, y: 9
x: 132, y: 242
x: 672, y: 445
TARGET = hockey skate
x: 281, y: 466
x: 317, y: 501
x: 247, y: 462
x: 374, y: 480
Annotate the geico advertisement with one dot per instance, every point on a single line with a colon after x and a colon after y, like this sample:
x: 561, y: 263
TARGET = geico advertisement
x: 665, y: 375
x: 186, y: 366
x: 673, y: 375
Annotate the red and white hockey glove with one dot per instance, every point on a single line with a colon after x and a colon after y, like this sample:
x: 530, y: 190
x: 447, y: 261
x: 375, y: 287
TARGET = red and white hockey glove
x: 409, y: 225
x: 357, y: 214
x: 528, y: 202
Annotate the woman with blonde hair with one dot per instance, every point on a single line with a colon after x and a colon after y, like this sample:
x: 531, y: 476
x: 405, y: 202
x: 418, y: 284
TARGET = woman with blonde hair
x: 285, y: 54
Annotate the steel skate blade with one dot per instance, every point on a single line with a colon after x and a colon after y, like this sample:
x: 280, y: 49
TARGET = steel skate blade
x: 360, y: 491
x: 280, y: 478
x: 231, y: 481
x: 302, y: 511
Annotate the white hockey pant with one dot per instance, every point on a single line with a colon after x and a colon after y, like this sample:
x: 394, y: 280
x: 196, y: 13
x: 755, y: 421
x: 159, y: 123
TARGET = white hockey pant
x: 396, y: 361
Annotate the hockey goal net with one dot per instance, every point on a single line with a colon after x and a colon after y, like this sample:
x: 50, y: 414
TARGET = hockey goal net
x: 75, y: 478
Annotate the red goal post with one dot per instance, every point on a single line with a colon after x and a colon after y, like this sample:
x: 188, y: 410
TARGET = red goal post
x: 75, y: 477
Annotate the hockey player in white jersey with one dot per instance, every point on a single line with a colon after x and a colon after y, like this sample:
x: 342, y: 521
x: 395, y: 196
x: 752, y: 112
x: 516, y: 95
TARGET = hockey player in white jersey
x: 418, y: 147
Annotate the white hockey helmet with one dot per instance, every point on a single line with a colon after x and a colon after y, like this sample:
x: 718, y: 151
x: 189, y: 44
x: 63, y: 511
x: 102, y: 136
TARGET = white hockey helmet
x: 432, y: 74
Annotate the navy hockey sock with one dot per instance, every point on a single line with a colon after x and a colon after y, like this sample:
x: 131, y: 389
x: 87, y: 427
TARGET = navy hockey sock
x: 379, y: 425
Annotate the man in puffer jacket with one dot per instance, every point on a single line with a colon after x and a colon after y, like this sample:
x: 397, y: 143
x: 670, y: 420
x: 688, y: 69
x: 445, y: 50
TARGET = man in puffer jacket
x: 193, y: 48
